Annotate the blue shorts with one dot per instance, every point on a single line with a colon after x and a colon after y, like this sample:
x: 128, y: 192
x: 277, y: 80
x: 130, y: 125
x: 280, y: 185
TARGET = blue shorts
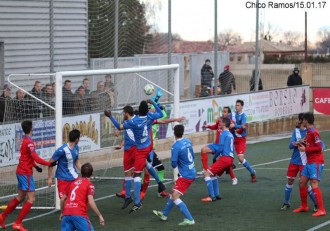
x: 72, y: 223
x: 25, y: 182
x: 214, y: 147
x: 313, y: 171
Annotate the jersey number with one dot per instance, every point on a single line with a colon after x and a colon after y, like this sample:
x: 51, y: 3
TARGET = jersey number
x: 190, y: 158
x: 73, y: 193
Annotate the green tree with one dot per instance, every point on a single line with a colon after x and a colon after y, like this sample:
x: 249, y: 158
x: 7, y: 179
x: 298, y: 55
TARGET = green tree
x: 132, y: 32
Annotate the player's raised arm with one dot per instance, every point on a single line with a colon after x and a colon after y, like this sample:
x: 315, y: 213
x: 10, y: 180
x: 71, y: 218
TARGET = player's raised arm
x: 158, y: 113
x: 171, y: 120
x: 119, y: 126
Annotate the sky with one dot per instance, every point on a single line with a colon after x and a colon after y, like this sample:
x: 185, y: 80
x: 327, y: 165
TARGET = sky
x: 194, y: 19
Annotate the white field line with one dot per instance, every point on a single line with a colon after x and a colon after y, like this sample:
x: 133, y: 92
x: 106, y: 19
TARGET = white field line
x: 113, y: 195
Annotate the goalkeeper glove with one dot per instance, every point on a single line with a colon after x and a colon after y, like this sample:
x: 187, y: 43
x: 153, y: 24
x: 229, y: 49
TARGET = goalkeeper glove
x: 159, y: 94
x: 38, y: 168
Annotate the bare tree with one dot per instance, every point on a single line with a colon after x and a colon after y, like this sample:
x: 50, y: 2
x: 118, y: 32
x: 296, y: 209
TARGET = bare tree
x: 270, y: 32
x: 324, y: 39
x: 229, y: 38
x: 292, y: 38
x: 153, y: 9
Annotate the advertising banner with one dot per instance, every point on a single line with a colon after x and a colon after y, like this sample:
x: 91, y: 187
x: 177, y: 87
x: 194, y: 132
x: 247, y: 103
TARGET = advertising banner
x: 89, y: 126
x: 321, y: 99
x: 7, y: 145
x: 258, y: 106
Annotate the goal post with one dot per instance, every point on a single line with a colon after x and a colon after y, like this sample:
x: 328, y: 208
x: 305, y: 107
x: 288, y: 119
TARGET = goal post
x: 59, y: 82
x: 53, y: 121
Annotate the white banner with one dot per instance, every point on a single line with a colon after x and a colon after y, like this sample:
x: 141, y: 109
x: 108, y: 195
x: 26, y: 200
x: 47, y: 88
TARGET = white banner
x: 7, y: 145
x: 258, y: 106
x: 89, y: 126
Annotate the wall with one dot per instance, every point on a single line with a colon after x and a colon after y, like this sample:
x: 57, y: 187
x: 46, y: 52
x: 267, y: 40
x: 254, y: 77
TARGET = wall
x: 26, y: 34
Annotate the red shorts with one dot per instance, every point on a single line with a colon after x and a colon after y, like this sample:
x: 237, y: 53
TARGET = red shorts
x: 128, y: 160
x: 293, y: 170
x: 141, y: 158
x: 221, y: 165
x: 240, y: 145
x: 63, y: 187
x: 182, y: 185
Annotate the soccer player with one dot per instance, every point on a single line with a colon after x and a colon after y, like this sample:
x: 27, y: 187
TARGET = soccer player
x: 225, y: 150
x: 239, y: 131
x: 312, y: 171
x: 24, y: 173
x: 74, y: 209
x: 67, y: 157
x: 209, y: 148
x: 183, y: 158
x: 297, y: 163
x: 140, y: 126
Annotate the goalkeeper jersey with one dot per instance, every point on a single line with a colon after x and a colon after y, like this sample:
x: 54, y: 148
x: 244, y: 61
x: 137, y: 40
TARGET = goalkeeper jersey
x: 183, y: 157
x: 66, y: 165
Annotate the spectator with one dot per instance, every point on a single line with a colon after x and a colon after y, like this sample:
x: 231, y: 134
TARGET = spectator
x: 5, y: 104
x: 295, y: 78
x: 49, y: 98
x: 67, y: 98
x: 207, y: 76
x: 227, y: 81
x: 22, y: 109
x: 252, y: 82
x: 108, y: 83
x: 100, y: 99
x: 111, y: 94
x: 36, y: 90
x: 79, y: 101
x: 88, y: 97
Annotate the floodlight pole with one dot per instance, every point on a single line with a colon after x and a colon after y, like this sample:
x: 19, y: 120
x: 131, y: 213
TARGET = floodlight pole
x: 256, y: 60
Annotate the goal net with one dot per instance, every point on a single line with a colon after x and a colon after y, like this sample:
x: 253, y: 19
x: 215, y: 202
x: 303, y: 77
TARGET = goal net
x: 77, y: 100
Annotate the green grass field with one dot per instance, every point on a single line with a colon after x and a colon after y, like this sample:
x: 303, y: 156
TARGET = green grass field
x: 246, y: 206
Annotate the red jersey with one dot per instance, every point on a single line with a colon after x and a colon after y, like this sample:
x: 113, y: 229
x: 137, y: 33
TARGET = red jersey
x: 28, y: 157
x: 77, y: 200
x: 216, y: 126
x: 314, y: 147
x: 26, y: 161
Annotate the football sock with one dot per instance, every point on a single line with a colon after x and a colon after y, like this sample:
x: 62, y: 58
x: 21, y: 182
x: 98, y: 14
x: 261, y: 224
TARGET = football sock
x: 137, y: 189
x: 183, y: 207
x: 287, y: 193
x: 124, y: 186
x: 128, y: 186
x: 146, y: 181
x: 204, y: 157
x: 153, y: 172
x: 209, y: 185
x: 303, y: 196
x: 247, y: 165
x: 231, y: 172
x: 215, y: 186
x: 161, y: 175
x: 311, y: 194
x: 168, y: 207
x: 25, y: 210
x: 319, y: 198
x: 11, y: 207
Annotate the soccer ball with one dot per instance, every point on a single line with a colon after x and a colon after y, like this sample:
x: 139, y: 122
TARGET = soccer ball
x: 149, y: 89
